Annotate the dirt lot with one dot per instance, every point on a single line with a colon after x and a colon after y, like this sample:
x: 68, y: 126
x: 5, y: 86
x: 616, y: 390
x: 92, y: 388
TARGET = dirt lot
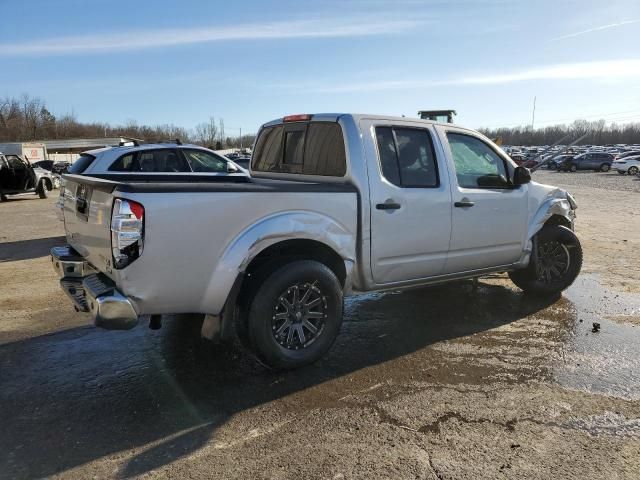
x: 446, y: 382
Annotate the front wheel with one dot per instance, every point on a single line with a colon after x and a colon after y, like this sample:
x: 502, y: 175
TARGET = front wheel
x: 573, y: 168
x: 295, y: 315
x: 633, y: 170
x: 555, y: 265
x: 42, y: 190
x: 605, y: 167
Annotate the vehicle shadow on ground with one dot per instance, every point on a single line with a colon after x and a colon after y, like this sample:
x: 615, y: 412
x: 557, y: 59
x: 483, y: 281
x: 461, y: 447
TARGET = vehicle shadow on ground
x: 28, y: 249
x: 76, y: 396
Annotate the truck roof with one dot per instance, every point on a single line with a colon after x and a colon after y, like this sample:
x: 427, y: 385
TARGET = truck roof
x: 333, y: 117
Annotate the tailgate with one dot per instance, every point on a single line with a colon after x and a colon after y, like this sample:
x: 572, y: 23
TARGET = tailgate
x: 87, y: 218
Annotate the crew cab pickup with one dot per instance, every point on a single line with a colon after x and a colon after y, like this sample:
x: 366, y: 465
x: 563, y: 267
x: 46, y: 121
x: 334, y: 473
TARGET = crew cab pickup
x: 336, y: 204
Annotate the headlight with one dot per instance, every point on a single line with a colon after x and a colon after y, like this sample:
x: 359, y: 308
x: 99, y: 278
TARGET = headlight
x: 572, y: 201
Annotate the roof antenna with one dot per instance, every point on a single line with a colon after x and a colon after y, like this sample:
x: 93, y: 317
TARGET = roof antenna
x: 178, y: 142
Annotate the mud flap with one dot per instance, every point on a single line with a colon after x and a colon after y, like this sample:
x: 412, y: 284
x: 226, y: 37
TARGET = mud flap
x: 212, y: 328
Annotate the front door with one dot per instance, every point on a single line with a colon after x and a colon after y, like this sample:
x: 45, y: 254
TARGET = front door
x: 20, y: 172
x: 489, y: 219
x: 410, y: 201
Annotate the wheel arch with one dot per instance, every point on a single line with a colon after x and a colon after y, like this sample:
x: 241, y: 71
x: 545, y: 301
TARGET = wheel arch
x: 268, y: 244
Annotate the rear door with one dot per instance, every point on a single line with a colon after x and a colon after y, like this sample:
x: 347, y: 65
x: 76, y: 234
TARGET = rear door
x: 410, y: 201
x: 489, y: 217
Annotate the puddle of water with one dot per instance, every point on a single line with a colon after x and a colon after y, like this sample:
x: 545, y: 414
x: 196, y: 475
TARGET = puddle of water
x: 607, y: 361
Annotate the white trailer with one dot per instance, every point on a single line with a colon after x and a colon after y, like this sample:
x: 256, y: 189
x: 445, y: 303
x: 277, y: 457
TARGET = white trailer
x: 31, y: 151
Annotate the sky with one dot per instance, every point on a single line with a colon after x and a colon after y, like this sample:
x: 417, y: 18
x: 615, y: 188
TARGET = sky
x: 248, y: 62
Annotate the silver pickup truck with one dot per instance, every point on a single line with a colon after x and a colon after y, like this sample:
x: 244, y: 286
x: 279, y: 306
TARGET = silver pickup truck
x: 336, y: 204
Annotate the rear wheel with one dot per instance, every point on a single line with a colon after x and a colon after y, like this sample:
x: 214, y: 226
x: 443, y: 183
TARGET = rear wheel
x: 633, y: 170
x: 555, y: 265
x: 605, y: 167
x: 573, y: 167
x: 295, y: 315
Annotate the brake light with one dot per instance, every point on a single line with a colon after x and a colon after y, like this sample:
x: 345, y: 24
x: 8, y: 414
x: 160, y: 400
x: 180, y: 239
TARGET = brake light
x: 301, y: 117
x: 127, y: 231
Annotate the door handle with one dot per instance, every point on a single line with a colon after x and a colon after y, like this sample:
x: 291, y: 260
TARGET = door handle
x: 464, y: 203
x: 388, y: 206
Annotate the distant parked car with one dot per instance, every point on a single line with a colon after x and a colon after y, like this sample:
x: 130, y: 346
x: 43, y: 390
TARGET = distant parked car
x: 630, y: 165
x: 631, y: 153
x: 518, y: 158
x: 557, y: 162
x: 600, y: 162
x: 54, y: 167
x: 155, y: 159
x: 17, y: 175
x: 243, y: 161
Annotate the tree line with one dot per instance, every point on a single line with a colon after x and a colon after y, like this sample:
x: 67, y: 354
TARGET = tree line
x: 27, y: 118
x: 597, y: 133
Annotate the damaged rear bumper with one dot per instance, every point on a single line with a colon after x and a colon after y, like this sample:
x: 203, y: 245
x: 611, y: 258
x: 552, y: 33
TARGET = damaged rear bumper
x: 91, y: 291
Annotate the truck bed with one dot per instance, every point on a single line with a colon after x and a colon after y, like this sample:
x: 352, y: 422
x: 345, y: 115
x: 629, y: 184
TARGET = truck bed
x: 194, y: 224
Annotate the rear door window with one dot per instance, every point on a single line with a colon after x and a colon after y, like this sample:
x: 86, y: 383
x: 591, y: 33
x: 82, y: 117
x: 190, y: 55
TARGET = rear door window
x: 202, y: 161
x: 407, y: 157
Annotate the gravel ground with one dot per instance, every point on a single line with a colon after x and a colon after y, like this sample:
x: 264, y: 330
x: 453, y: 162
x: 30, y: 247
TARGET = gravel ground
x: 600, y: 180
x: 449, y: 382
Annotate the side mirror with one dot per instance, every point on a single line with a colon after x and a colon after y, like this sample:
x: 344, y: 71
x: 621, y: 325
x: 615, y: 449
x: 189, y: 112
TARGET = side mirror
x: 231, y: 168
x: 521, y: 175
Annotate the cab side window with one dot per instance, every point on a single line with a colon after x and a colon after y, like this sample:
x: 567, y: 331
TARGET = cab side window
x: 407, y: 157
x: 477, y: 164
x: 160, y: 161
x: 151, y: 161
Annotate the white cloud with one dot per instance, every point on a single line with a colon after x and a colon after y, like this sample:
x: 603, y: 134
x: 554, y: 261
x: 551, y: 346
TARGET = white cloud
x: 136, y: 40
x: 595, y: 29
x: 597, y: 70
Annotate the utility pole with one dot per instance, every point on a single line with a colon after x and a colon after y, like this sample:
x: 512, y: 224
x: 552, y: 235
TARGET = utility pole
x: 240, y: 138
x: 533, y: 115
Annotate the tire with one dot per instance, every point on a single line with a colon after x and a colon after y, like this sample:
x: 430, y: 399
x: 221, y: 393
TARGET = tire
x: 605, y: 167
x: 573, y: 168
x: 283, y: 294
x: 538, y: 277
x: 42, y: 190
x: 633, y: 170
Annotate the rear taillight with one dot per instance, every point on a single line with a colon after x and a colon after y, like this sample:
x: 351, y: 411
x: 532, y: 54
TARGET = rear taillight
x: 127, y: 231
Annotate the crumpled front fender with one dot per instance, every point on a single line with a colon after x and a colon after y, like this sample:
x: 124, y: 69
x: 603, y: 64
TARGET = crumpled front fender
x: 545, y: 201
